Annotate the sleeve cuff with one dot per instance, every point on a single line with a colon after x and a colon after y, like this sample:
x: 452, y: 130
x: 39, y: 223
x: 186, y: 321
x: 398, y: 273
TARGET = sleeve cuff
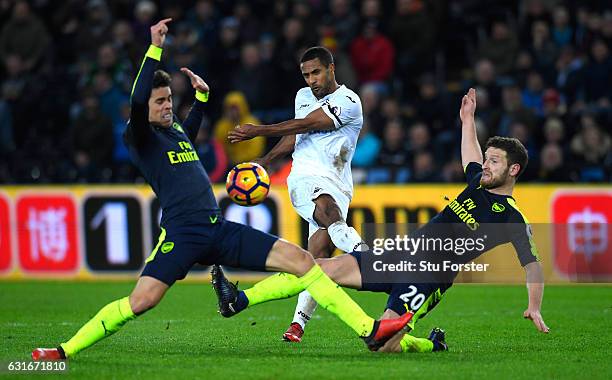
x: 202, y: 96
x: 154, y: 52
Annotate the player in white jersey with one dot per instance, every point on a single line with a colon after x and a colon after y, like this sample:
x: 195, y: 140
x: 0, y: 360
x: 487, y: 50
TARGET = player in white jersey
x: 322, y: 137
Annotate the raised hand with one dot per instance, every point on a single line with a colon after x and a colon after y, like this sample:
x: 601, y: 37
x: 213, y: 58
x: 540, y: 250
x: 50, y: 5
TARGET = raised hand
x: 468, y: 105
x: 159, y: 31
x: 196, y: 82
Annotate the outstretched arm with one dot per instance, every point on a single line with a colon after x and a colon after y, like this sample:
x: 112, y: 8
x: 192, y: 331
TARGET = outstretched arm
x: 470, y: 148
x: 535, y: 289
x: 317, y: 120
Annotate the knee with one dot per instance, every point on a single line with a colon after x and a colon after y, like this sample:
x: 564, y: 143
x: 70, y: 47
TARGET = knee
x: 142, y: 302
x: 303, y: 262
x: 328, y: 266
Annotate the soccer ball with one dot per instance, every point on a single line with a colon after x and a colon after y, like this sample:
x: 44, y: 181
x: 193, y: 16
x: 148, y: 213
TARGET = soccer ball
x: 247, y: 184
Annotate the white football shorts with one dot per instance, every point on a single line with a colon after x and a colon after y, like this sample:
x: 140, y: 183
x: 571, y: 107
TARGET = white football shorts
x: 304, y: 189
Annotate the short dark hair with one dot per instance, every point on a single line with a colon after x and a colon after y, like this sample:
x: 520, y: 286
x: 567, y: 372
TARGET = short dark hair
x: 516, y: 152
x: 161, y: 79
x: 324, y: 55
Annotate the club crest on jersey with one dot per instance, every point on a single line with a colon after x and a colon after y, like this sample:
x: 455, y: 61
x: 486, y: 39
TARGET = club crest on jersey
x: 335, y: 110
x: 498, y: 207
x: 178, y: 127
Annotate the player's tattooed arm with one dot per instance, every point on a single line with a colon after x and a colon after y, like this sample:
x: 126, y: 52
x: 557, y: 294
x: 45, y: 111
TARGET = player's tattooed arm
x: 315, y: 121
x: 470, y: 148
x: 535, y: 288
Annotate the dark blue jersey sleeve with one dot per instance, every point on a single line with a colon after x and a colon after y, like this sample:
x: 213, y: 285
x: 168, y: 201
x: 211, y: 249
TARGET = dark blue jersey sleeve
x: 138, y: 125
x: 192, y: 122
x: 473, y: 170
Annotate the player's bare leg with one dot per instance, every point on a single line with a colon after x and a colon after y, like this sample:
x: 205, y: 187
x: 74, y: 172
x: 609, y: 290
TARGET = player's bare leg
x: 343, y: 270
x: 327, y: 214
x: 146, y: 295
x: 301, y: 273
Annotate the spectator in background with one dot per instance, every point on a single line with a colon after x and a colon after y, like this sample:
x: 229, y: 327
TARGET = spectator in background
x: 205, y: 20
x: 485, y: 78
x: 249, y: 26
x: 523, y: 67
x: 290, y: 47
x: 24, y: 37
x: 551, y: 104
x: 592, y: 152
x: 554, y: 133
x: 512, y: 111
x: 124, y: 44
x: 393, y: 153
x: 521, y: 132
x: 94, y: 29
x: 109, y: 95
x: 552, y: 167
x: 256, y: 81
x: 419, y: 139
x: 92, y: 142
x: 453, y: 171
x: 413, y: 31
x: 123, y: 171
x: 226, y: 59
x: 501, y: 47
x: 345, y: 22
x: 144, y: 14
x: 424, y: 168
x: 543, y: 49
x: 562, y: 32
x: 185, y: 50
x: 532, y: 94
x: 372, y: 55
x: 598, y: 74
x: 371, y: 10
x: 236, y: 112
x: 368, y: 147
x: 119, y: 70
x: 569, y: 74
x: 370, y: 105
x: 432, y: 105
x: 533, y: 11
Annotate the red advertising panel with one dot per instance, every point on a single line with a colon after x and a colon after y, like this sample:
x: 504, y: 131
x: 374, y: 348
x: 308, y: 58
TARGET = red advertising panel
x: 47, y: 233
x: 583, y: 246
x: 5, y: 235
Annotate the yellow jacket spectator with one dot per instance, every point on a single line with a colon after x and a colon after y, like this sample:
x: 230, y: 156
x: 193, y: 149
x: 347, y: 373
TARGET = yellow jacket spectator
x: 236, y: 112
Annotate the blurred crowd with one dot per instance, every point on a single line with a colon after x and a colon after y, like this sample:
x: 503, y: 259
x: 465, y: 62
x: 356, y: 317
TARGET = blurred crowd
x: 542, y: 70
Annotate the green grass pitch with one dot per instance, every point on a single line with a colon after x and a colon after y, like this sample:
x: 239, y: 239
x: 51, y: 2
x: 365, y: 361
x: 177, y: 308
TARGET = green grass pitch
x: 185, y: 338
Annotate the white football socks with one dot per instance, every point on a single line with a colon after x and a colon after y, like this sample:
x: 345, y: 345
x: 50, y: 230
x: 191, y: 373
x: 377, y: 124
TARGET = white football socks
x: 344, y: 237
x: 305, y: 308
x: 348, y: 240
